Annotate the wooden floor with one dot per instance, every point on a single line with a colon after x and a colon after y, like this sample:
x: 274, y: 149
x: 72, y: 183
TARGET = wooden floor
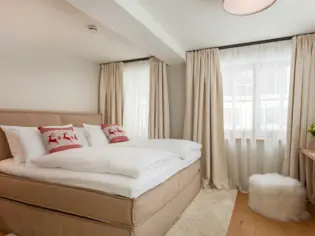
x: 245, y: 222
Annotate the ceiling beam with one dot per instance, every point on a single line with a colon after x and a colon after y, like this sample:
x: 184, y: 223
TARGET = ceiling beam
x: 130, y: 20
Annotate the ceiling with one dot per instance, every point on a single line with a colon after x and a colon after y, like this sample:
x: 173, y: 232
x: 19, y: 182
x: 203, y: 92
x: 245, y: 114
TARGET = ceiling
x: 203, y: 23
x: 55, y: 26
x: 129, y: 29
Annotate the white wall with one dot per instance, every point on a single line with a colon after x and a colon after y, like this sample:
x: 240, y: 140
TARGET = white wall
x: 48, y: 82
x: 177, y: 88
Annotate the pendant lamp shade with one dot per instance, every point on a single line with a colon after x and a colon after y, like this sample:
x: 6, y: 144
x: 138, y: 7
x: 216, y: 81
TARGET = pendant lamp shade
x: 246, y: 7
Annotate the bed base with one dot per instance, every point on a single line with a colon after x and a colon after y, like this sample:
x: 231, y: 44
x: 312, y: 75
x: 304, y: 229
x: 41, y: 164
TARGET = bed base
x: 29, y: 220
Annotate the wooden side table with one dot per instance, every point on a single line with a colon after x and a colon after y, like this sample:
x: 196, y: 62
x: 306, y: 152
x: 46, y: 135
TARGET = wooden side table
x: 309, y: 161
x: 309, y: 152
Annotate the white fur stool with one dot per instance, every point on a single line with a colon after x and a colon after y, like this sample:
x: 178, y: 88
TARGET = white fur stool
x: 277, y: 197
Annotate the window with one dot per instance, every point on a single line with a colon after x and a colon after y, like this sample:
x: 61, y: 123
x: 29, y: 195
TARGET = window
x: 136, y: 83
x: 256, y: 90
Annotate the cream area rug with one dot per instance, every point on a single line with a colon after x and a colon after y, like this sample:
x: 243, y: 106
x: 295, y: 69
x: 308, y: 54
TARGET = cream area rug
x: 208, y: 215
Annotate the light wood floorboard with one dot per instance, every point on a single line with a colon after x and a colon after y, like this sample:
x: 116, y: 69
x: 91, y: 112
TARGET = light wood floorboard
x: 245, y: 222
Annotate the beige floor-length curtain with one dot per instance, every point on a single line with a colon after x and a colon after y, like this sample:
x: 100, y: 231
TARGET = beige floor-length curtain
x: 204, y: 114
x: 301, y: 113
x: 159, y: 120
x: 111, y: 96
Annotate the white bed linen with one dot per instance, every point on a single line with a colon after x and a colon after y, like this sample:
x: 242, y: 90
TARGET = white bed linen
x: 178, y: 146
x: 30, y: 139
x: 107, y: 183
x: 95, y: 135
x: 128, y: 161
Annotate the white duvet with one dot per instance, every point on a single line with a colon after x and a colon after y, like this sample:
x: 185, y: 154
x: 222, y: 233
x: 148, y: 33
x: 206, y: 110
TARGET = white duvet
x: 180, y: 147
x: 121, y: 160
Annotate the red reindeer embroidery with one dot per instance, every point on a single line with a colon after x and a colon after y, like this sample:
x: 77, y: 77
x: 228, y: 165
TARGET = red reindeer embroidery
x: 75, y: 137
x: 110, y: 131
x: 119, y: 130
x: 66, y: 137
x: 51, y: 139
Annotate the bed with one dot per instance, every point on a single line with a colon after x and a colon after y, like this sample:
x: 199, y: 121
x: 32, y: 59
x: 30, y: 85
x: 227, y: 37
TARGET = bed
x: 33, y: 203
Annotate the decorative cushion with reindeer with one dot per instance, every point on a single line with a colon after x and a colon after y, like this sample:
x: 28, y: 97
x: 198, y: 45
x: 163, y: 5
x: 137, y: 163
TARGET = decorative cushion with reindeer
x: 114, y: 133
x: 59, y: 138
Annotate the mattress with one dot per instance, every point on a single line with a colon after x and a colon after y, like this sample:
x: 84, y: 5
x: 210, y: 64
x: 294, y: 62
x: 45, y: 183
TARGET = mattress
x: 107, y: 183
x: 94, y: 203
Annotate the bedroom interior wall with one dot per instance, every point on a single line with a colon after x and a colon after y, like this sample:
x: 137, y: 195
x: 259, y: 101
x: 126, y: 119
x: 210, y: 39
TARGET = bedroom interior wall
x: 48, y: 82
x: 177, y: 98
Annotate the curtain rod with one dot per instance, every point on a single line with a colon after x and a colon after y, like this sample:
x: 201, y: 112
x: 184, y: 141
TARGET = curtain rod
x: 253, y: 43
x: 128, y: 61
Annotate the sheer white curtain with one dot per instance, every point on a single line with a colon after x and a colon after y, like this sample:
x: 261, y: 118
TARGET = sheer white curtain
x: 136, y: 83
x: 256, y: 90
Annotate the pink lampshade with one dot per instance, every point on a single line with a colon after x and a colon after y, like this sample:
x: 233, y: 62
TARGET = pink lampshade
x: 246, y: 7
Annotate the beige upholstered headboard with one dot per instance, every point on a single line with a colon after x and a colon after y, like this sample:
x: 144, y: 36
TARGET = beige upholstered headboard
x: 36, y: 118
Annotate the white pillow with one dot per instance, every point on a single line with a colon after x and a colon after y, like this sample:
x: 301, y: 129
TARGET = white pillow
x: 30, y: 139
x: 95, y: 135
x: 80, y: 132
